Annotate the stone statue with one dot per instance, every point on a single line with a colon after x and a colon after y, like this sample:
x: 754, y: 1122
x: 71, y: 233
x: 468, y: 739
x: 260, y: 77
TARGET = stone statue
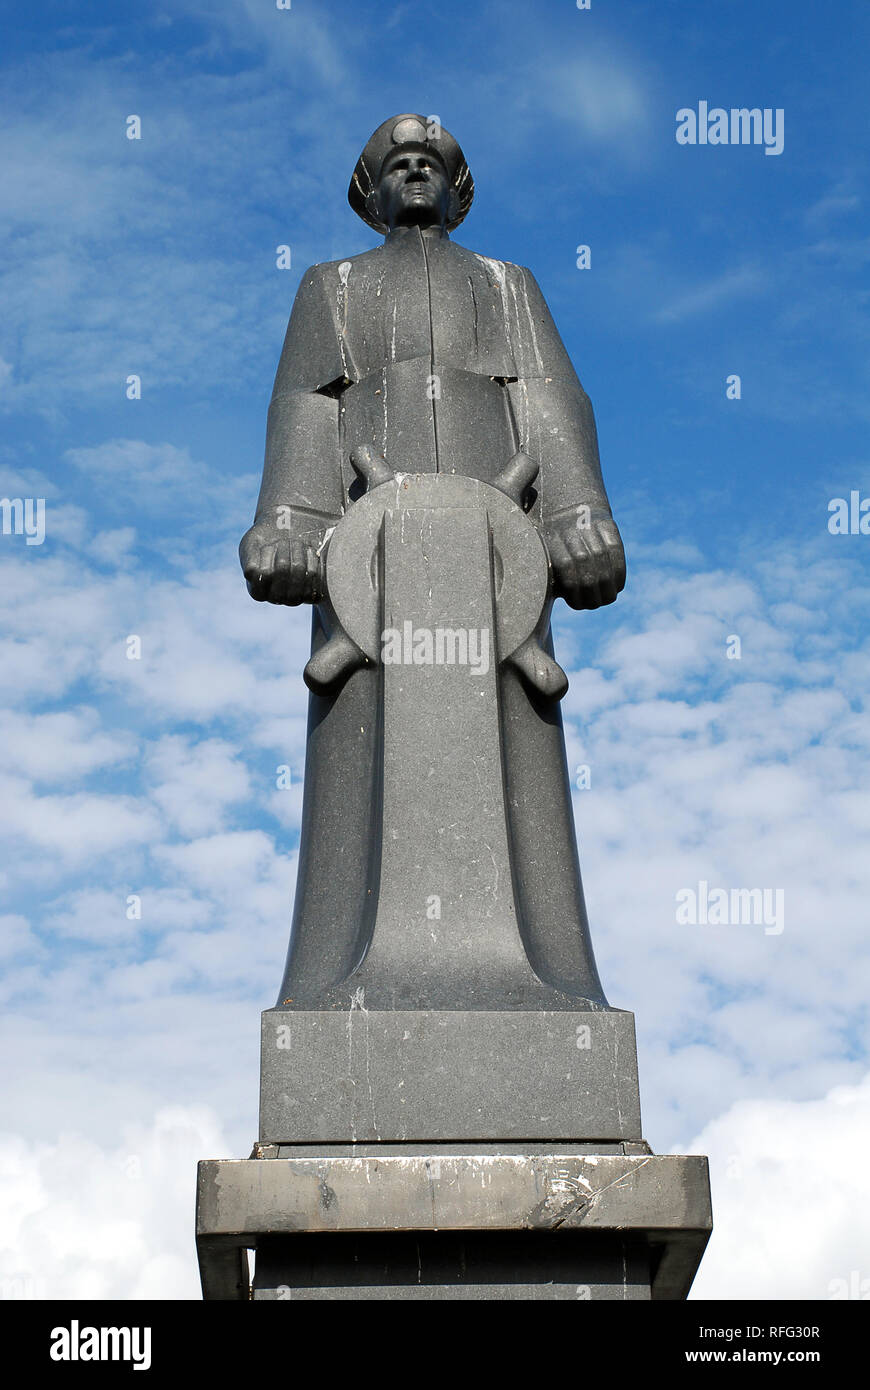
x: 421, y: 384
x: 449, y: 1107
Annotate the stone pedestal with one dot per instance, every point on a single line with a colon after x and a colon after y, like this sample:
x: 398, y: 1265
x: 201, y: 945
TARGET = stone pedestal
x: 453, y: 1222
x: 451, y: 1155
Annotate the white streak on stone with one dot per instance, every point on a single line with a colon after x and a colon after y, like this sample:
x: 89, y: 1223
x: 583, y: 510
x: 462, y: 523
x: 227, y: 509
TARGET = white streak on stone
x: 323, y: 543
x: 341, y: 304
x: 497, y: 270
x: 538, y: 357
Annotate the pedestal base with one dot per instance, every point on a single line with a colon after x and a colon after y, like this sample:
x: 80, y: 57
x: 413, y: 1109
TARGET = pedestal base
x: 432, y: 1266
x: 393, y: 1221
x: 433, y: 1076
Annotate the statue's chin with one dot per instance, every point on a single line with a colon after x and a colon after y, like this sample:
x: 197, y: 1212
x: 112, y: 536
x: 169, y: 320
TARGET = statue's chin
x: 417, y: 217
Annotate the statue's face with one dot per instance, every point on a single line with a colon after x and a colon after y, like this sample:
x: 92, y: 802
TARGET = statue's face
x: 413, y: 190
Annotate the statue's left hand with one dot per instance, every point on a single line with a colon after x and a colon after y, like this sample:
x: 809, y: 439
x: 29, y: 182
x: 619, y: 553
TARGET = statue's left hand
x: 588, y: 559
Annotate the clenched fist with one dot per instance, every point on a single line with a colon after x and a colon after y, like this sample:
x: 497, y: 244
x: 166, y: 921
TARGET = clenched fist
x: 587, y: 558
x: 280, y: 568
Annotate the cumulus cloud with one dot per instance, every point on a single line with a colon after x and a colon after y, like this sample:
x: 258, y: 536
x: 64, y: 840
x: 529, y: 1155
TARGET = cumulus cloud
x: 61, y: 746
x: 76, y: 828
x: 193, y: 783
x: 85, y: 1221
x: 791, y: 1198
x: 142, y: 479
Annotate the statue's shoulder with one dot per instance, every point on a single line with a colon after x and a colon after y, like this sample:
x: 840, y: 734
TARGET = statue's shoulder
x: 501, y: 271
x: 339, y: 271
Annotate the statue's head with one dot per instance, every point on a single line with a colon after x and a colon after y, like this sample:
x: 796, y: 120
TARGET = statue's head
x: 411, y: 172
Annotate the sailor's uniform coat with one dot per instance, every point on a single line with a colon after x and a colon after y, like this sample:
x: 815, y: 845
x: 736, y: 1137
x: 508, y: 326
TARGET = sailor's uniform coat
x: 442, y: 360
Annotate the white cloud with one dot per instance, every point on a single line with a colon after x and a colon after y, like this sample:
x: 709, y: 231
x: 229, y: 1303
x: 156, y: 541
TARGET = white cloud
x: 837, y: 202
x: 709, y: 294
x: 161, y: 479
x: 77, y: 828
x: 85, y: 1221
x: 112, y: 547
x: 16, y: 937
x: 600, y: 95
x: 97, y: 916
x: 194, y: 783
x: 791, y: 1198
x: 62, y: 746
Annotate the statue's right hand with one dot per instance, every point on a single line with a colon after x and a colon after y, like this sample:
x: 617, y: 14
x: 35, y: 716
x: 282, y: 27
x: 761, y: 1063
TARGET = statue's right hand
x: 278, y: 567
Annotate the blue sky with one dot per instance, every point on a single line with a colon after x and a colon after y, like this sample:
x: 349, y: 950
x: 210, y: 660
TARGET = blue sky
x: 134, y: 1041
